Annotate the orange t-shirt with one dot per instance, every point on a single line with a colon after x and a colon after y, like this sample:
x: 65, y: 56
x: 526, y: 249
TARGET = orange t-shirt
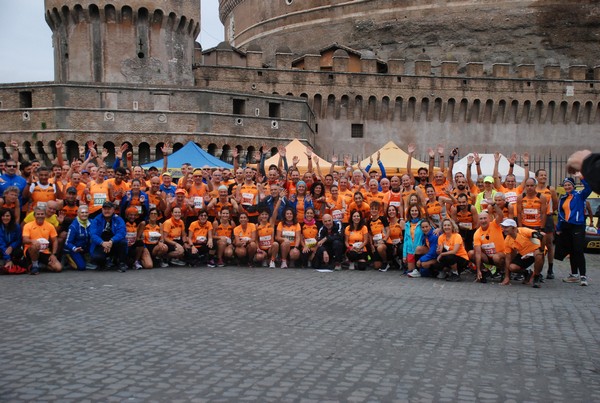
x: 523, y: 244
x: 152, y: 234
x: 309, y: 234
x: 245, y: 234
x: 173, y: 230
x: 449, y: 243
x: 199, y: 232
x: 491, y: 240
x: 266, y: 235
x: 99, y: 194
x: 355, y: 236
x: 36, y: 232
x: 289, y: 231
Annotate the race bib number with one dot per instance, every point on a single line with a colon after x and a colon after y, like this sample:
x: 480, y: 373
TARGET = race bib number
x: 139, y: 209
x: 154, y: 236
x: 357, y: 245
x: 130, y: 237
x: 511, y: 197
x: 152, y: 205
x: 465, y: 225
x: 489, y: 248
x: 265, y: 241
x: 200, y: 239
x: 337, y: 215
x: 198, y: 202
x: 289, y: 235
x: 395, y: 203
x: 377, y: 237
x: 44, y: 243
x: 396, y: 241
x: 247, y: 199
x: 245, y: 239
x: 310, y: 242
x: 99, y: 199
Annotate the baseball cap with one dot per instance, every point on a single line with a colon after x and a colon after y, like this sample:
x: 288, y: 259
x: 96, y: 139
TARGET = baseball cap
x: 71, y: 189
x: 108, y: 204
x: 488, y: 179
x: 508, y: 222
x: 180, y: 190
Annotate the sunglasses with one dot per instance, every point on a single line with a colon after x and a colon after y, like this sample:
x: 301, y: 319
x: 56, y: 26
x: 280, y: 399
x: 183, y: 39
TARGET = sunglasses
x: 11, y: 166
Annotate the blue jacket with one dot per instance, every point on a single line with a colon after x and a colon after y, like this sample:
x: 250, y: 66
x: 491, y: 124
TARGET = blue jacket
x: 126, y: 202
x: 576, y: 206
x: 8, y: 239
x: 13, y: 180
x: 78, y: 236
x: 433, y: 241
x: 410, y: 244
x: 97, y: 226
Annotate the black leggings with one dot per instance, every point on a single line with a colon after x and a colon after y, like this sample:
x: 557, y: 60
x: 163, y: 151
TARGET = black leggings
x: 571, y: 241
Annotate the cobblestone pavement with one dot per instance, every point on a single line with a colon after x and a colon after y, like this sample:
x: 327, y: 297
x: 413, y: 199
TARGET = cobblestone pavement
x: 238, y: 334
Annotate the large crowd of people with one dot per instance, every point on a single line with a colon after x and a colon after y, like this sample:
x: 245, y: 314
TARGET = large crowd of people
x: 85, y: 215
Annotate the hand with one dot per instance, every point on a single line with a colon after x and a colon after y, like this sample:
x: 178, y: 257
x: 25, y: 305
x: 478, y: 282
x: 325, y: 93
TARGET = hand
x: 454, y: 152
x: 93, y: 152
x: 14, y: 144
x: 479, y: 275
x: 412, y: 148
x: 431, y: 153
x: 440, y: 149
x: 497, y: 156
x: 334, y: 159
x: 308, y: 152
x: 82, y: 151
x: 526, y: 158
x: 371, y: 160
x: 235, y: 153
x: 316, y: 160
x: 477, y: 158
x: 513, y: 158
x: 281, y: 150
x: 575, y: 161
x: 124, y: 147
x: 104, y: 153
x: 165, y: 149
x: 470, y: 159
x: 129, y: 156
x: 295, y: 160
x: 59, y: 145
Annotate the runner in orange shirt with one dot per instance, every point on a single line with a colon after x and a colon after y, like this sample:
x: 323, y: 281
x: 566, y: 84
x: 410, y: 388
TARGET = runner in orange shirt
x: 267, y: 246
x: 451, y: 250
x: 153, y: 241
x: 245, y: 239
x: 488, y: 245
x: 308, y: 241
x: 200, y: 236
x: 223, y: 236
x: 548, y: 226
x: 357, y: 238
x: 175, y: 237
x: 523, y: 247
x: 288, y: 236
x: 40, y: 241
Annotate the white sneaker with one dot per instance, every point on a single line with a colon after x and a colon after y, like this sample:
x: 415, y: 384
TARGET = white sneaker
x: 414, y: 274
x: 573, y: 278
x: 138, y: 265
x: 272, y: 264
x: 351, y: 266
x: 385, y: 268
x: 264, y: 263
x: 178, y: 262
x: 163, y: 264
x: 284, y: 264
x: 583, y: 281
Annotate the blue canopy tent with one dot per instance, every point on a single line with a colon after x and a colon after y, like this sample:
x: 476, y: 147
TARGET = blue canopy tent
x: 192, y: 154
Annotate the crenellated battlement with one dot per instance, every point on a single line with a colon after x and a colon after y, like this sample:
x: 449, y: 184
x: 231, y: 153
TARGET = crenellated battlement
x: 172, y: 15
x: 142, y: 41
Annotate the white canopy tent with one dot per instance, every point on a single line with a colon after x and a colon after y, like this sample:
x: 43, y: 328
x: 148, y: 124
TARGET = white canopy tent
x: 487, y: 167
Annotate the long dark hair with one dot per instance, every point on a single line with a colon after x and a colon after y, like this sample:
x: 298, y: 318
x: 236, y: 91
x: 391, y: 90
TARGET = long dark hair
x: 361, y: 223
x: 12, y: 224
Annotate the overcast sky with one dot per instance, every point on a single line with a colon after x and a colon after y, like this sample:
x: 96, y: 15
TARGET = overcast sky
x: 26, y: 41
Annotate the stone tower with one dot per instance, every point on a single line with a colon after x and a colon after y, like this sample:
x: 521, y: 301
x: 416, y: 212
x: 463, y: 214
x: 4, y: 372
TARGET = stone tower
x: 135, y: 41
x: 564, y: 32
